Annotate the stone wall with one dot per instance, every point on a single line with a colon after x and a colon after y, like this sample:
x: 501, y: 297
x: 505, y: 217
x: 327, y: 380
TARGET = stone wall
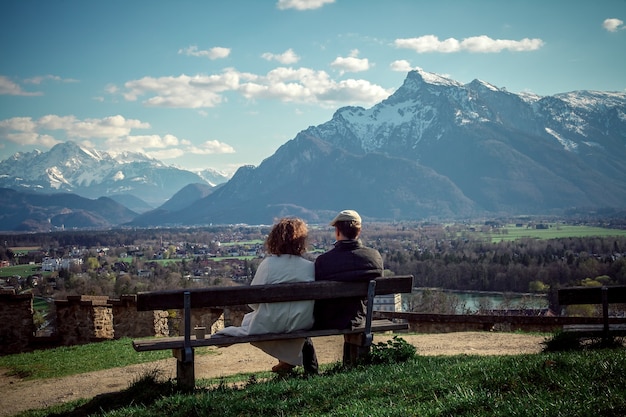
x: 128, y: 322
x: 16, y: 322
x: 84, y: 319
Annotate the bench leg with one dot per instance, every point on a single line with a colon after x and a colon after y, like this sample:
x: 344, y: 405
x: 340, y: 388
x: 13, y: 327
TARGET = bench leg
x: 185, y: 372
x: 355, y: 349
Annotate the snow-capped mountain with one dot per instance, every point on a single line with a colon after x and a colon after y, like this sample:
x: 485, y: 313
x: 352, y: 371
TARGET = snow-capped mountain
x: 439, y: 148
x: 68, y: 167
x: 213, y: 177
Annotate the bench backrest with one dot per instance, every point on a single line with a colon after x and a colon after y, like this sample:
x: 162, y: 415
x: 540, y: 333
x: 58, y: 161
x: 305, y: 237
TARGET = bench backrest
x: 592, y: 295
x: 228, y: 296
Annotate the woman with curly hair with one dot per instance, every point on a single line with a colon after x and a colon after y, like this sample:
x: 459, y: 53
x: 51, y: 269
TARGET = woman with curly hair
x: 285, y: 245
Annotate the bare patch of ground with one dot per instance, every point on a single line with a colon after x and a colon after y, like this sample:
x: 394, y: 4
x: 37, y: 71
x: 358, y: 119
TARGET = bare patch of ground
x: 17, y: 395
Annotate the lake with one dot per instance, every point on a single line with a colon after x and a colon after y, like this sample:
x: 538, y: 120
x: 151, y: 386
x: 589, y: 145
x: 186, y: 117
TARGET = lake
x: 472, y: 301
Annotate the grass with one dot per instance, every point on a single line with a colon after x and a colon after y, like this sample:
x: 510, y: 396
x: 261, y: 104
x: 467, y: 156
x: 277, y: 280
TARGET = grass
x: 589, y: 382
x: 21, y: 270
x: 510, y: 232
x: 72, y: 360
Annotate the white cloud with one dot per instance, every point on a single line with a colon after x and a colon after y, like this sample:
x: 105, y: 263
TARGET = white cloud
x: 40, y: 79
x: 183, y: 91
x: 351, y: 63
x: 613, y: 25
x: 302, y: 4
x: 213, y: 53
x: 354, y: 91
x: 483, y: 44
x: 401, y: 65
x: 286, y: 58
x: 108, y: 127
x: 26, y: 131
x: 302, y: 85
x: 165, y: 154
x: 144, y: 142
x: 211, y: 147
x: 169, y: 147
x: 9, y: 88
x: 305, y: 85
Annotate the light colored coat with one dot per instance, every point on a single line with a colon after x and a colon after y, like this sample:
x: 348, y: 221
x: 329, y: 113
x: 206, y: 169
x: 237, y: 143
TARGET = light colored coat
x: 279, y: 317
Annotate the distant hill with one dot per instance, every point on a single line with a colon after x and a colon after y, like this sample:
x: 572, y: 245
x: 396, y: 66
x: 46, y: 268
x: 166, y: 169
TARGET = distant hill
x: 132, y: 202
x: 187, y: 196
x: 30, y: 212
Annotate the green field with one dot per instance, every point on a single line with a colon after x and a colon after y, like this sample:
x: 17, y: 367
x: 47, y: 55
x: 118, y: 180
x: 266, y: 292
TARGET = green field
x: 21, y: 270
x: 555, y: 231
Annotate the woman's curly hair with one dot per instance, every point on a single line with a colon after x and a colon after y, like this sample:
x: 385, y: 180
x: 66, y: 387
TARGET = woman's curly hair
x: 287, y: 237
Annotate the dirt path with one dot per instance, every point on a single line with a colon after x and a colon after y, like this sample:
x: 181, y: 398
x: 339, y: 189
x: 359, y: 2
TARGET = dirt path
x: 17, y: 395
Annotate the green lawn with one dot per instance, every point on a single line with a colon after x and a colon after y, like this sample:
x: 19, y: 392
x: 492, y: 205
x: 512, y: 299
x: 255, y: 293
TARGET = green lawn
x: 70, y: 360
x: 510, y: 232
x: 21, y: 270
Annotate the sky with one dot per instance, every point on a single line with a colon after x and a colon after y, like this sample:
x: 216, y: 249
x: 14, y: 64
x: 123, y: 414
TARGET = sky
x: 219, y: 84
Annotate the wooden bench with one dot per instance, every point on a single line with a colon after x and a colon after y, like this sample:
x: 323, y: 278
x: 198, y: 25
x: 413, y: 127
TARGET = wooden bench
x: 183, y: 346
x: 595, y: 295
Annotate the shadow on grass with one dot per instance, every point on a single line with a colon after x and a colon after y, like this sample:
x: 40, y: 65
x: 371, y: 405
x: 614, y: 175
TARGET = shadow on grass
x: 570, y: 341
x: 147, y: 389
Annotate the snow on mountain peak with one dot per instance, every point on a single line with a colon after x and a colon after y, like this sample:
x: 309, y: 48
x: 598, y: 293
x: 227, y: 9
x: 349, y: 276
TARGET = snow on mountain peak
x: 592, y: 100
x: 435, y: 79
x: 485, y: 85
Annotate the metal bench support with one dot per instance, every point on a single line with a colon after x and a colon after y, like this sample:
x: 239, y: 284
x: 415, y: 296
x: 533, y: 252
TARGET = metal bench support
x: 185, y: 372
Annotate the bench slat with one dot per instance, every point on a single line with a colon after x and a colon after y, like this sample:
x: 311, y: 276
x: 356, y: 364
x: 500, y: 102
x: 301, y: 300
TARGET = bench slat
x: 595, y: 329
x: 591, y: 295
x: 228, y: 296
x: 178, y: 342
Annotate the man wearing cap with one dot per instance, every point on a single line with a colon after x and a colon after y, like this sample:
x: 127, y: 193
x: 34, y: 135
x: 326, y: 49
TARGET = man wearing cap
x: 349, y: 260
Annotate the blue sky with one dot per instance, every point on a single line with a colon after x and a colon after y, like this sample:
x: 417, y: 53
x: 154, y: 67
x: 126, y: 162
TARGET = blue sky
x: 219, y: 84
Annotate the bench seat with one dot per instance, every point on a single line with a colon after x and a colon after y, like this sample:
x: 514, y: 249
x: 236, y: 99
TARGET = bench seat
x: 163, y: 343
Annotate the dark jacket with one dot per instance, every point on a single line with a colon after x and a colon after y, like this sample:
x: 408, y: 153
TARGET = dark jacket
x: 349, y: 260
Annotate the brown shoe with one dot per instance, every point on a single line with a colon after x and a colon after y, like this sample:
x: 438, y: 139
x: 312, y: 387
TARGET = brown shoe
x: 283, y: 368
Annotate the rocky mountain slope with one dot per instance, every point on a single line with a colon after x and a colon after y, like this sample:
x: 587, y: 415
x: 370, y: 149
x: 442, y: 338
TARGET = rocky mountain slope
x: 439, y: 149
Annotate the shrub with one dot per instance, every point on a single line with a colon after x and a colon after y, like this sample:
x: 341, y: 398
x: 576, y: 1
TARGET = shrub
x: 394, y: 350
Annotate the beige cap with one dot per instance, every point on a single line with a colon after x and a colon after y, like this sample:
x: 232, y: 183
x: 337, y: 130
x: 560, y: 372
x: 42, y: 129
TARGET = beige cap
x: 347, y: 216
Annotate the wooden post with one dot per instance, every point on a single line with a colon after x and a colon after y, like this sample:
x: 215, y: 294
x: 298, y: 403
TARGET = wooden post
x: 605, y: 314
x: 185, y: 372
x: 355, y: 348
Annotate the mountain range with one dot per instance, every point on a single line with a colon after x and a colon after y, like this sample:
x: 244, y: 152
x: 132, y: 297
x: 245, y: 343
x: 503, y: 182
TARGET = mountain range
x: 434, y: 149
x: 437, y: 149
x: 125, y: 176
